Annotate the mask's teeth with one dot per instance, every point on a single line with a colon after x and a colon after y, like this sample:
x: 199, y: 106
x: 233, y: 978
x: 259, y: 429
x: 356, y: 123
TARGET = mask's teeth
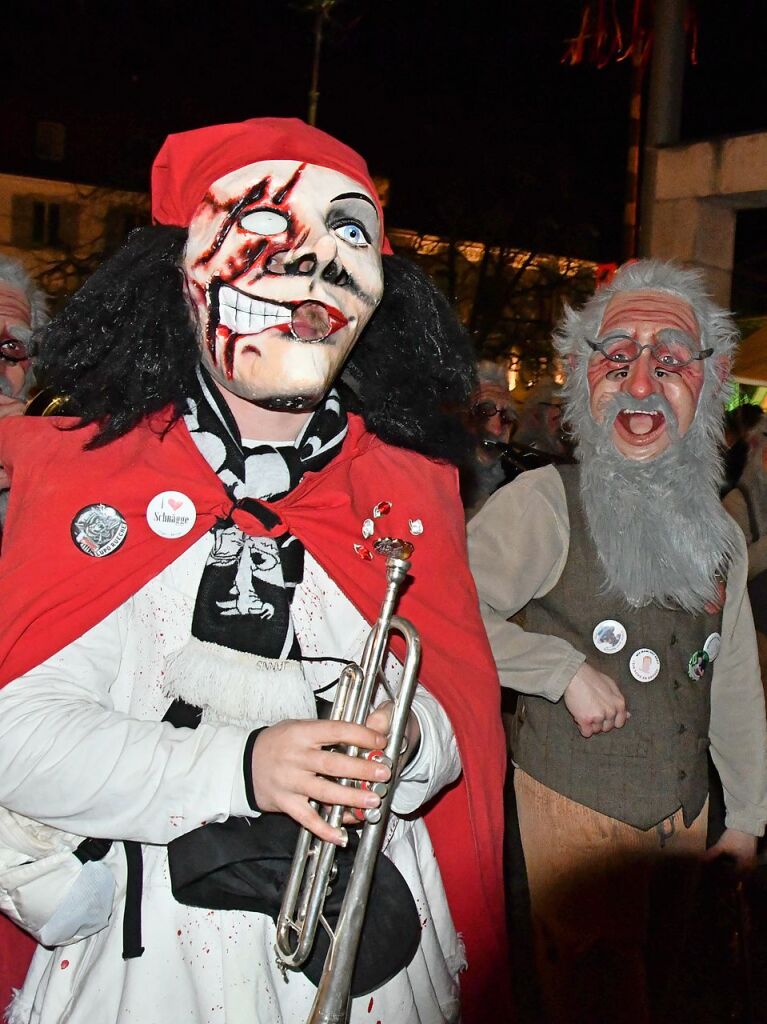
x: 245, y: 315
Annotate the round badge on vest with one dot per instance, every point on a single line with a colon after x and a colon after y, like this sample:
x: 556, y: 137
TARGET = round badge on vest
x: 609, y: 636
x: 713, y: 646
x: 98, y: 530
x: 697, y: 665
x: 171, y: 514
x: 644, y: 665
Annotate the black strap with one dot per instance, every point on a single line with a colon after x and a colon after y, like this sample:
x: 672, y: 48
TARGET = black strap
x: 134, y: 885
x: 92, y: 849
x: 182, y: 715
x: 179, y: 714
x: 247, y: 768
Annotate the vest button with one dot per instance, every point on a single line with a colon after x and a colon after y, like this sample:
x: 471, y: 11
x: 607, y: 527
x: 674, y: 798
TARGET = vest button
x: 673, y: 639
x: 682, y: 775
x: 675, y: 684
x: 682, y: 728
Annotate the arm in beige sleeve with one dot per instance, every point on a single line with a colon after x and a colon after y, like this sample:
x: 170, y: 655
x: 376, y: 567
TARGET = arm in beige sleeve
x: 738, y: 729
x: 518, y: 546
x: 735, y: 504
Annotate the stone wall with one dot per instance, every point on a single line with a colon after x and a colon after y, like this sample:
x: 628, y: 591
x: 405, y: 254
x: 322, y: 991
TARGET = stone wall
x: 698, y: 189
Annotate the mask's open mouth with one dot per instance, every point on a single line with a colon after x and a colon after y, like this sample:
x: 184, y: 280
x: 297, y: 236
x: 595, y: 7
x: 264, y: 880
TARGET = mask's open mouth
x: 639, y: 426
x: 248, y: 315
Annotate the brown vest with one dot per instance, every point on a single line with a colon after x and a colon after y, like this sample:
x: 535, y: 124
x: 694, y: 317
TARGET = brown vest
x: 656, y: 763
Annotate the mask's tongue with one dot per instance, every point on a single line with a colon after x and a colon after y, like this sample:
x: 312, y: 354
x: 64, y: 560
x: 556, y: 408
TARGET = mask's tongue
x: 310, y: 322
x: 641, y: 423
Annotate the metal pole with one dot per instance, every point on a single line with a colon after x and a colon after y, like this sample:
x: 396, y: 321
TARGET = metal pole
x: 664, y: 113
x: 664, y: 109
x: 631, y: 204
x: 314, y: 92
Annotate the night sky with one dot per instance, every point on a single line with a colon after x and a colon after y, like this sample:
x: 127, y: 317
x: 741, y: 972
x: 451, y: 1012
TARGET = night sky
x: 465, y: 106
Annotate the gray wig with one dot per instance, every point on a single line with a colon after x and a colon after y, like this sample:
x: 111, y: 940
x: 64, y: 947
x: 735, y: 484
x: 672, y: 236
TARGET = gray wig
x: 659, y: 529
x: 13, y: 273
x: 717, y: 327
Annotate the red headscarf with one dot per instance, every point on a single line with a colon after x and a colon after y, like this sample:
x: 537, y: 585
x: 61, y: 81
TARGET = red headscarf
x: 189, y: 163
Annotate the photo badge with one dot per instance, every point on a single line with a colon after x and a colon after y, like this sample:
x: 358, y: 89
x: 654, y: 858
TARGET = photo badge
x: 609, y: 636
x: 644, y: 665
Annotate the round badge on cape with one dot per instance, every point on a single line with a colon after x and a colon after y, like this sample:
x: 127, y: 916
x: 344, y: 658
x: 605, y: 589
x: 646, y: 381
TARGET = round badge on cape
x: 609, y: 636
x: 98, y: 530
x: 713, y: 646
x: 644, y: 665
x: 171, y: 514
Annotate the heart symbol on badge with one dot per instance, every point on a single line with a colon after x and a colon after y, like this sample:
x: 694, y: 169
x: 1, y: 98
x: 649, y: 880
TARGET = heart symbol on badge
x: 175, y: 504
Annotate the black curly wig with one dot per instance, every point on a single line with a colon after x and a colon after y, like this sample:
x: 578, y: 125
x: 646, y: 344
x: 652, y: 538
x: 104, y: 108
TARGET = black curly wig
x: 126, y: 346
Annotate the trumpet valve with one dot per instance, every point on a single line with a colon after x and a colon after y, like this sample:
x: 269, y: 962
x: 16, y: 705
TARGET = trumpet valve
x: 373, y: 814
x: 378, y: 756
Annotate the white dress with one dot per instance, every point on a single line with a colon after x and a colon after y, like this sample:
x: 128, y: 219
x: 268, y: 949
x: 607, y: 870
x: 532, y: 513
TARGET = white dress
x: 82, y: 749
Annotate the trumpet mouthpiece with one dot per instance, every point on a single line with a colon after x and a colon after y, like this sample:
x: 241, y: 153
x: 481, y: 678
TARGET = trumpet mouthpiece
x: 393, y: 547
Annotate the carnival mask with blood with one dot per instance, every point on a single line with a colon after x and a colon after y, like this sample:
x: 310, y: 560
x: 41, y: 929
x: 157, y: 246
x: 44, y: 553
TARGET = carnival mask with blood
x: 646, y: 374
x: 283, y: 269
x: 15, y: 332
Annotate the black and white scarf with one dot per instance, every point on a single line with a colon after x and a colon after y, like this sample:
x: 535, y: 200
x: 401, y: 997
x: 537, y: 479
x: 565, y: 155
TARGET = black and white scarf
x: 243, y: 650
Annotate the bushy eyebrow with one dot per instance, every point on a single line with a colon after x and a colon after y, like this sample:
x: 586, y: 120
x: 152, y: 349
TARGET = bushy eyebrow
x: 677, y: 334
x: 355, y: 195
x: 665, y: 333
x: 615, y: 335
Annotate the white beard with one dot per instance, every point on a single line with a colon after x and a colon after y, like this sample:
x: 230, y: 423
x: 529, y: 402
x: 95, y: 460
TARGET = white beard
x: 659, y: 528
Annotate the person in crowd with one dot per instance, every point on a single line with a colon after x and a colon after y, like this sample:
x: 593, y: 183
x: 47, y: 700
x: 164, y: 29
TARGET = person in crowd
x: 492, y: 421
x: 738, y: 424
x: 638, y: 653
x: 540, y: 424
x: 214, y: 554
x: 747, y: 504
x: 22, y: 310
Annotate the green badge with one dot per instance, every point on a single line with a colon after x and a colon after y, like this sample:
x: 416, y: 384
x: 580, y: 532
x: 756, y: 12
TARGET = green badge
x: 697, y: 665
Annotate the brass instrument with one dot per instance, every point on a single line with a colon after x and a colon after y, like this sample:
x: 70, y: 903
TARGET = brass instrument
x: 515, y: 458
x: 48, y: 403
x: 312, y: 869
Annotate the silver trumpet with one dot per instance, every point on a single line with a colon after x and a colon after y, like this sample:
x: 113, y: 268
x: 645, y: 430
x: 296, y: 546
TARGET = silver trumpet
x: 312, y: 869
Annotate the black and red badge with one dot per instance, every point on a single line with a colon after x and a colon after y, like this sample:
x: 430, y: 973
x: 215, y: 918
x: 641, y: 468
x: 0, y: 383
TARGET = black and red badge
x: 98, y: 530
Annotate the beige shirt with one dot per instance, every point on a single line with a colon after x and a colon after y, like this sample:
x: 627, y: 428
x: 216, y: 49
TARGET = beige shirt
x: 518, y: 546
x: 735, y: 504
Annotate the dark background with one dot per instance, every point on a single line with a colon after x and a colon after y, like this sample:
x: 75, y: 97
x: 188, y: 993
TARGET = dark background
x: 465, y: 106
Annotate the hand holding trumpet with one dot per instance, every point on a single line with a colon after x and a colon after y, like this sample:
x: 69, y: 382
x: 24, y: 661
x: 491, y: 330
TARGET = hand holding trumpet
x: 312, y: 868
x: 290, y: 766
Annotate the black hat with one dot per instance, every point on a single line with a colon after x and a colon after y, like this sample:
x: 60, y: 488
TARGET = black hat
x: 243, y: 864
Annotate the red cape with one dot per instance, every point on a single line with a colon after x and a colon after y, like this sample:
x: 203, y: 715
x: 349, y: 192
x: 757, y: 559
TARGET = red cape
x: 53, y: 592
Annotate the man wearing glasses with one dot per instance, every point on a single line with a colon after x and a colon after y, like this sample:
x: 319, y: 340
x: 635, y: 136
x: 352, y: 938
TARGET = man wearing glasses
x: 492, y: 421
x: 22, y: 308
x: 638, y: 653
